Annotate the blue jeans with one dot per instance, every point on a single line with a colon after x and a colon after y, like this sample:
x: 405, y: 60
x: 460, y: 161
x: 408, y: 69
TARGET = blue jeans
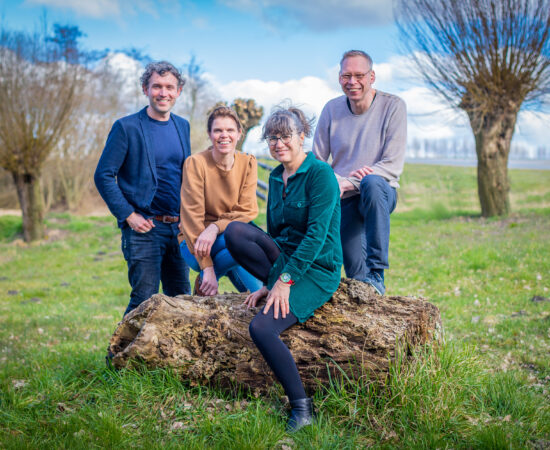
x: 224, y: 264
x: 365, y: 227
x: 153, y: 257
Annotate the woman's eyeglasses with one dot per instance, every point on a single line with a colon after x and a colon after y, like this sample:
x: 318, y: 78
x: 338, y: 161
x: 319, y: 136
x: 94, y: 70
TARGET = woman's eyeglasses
x: 272, y: 140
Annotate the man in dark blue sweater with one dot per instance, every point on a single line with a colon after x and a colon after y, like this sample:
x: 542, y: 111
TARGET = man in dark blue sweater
x: 139, y: 177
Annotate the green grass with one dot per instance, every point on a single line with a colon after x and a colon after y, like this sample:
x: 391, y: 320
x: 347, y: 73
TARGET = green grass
x: 10, y: 227
x: 487, y: 386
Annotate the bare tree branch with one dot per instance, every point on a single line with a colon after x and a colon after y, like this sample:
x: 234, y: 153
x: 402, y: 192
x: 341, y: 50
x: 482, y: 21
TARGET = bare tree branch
x: 489, y: 58
x: 39, y: 96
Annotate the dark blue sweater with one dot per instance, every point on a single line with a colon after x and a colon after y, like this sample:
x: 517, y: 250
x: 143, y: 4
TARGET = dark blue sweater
x: 168, y: 162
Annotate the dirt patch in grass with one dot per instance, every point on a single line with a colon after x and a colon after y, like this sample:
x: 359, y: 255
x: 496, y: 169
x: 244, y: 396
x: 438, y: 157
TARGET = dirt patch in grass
x: 10, y: 212
x: 56, y: 234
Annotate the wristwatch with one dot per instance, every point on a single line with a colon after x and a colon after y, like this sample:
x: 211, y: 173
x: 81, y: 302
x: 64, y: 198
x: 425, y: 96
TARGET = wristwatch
x: 286, y: 279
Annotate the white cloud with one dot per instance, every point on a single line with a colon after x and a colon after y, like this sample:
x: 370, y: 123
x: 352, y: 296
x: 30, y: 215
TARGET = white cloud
x: 128, y: 70
x: 532, y: 130
x: 396, y: 73
x: 309, y: 93
x: 101, y: 8
x: 318, y: 15
x: 430, y: 118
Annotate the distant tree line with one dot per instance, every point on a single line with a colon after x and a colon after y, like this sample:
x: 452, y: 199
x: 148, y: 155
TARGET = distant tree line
x: 464, y: 148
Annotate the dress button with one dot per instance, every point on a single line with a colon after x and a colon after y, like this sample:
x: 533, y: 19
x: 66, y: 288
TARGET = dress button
x: 299, y: 204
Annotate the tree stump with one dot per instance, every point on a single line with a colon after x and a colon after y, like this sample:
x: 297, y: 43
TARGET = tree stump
x: 206, y: 339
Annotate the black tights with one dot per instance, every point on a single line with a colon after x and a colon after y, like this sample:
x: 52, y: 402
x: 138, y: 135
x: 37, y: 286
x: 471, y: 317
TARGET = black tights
x: 252, y: 248
x: 256, y: 252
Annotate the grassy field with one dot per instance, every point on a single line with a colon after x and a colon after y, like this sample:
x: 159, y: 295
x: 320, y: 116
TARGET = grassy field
x: 487, y: 386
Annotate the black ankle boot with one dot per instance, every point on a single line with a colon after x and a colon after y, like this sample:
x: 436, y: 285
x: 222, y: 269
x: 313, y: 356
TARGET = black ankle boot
x: 301, y: 414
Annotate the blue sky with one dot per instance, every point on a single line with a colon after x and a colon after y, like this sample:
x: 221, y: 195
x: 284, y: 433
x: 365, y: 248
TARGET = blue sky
x: 268, y: 50
x: 232, y: 39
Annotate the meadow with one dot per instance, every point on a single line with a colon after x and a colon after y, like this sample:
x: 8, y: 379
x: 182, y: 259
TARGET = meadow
x: 486, y: 386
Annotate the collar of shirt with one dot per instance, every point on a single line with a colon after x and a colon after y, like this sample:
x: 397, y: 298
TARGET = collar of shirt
x: 277, y: 173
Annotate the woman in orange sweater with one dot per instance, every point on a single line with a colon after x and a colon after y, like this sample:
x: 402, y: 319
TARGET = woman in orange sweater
x: 218, y: 187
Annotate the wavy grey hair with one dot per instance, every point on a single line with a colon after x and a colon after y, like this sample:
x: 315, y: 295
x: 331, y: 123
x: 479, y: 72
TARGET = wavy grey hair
x: 161, y: 67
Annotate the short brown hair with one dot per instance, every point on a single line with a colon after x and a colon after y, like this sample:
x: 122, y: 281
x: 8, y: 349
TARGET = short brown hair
x: 223, y: 111
x: 351, y: 53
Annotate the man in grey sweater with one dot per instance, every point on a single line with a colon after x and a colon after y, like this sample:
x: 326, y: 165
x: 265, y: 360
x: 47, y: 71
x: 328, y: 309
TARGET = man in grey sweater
x: 365, y: 134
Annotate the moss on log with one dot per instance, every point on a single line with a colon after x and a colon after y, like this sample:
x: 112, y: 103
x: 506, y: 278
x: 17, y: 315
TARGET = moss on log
x: 206, y: 339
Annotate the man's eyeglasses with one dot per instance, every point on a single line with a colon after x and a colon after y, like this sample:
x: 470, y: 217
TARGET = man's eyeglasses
x: 358, y: 76
x: 272, y: 140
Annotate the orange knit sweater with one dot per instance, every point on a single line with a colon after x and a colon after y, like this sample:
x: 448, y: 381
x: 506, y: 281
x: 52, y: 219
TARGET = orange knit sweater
x: 210, y: 194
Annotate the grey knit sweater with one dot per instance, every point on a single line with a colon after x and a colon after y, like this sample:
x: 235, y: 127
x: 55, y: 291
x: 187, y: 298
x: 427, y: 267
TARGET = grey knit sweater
x: 376, y: 138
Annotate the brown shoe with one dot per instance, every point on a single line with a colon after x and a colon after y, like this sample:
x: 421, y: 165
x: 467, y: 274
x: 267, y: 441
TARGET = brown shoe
x: 197, y: 288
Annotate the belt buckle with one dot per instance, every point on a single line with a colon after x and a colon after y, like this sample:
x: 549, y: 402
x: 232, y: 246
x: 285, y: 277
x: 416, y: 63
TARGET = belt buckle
x: 165, y: 219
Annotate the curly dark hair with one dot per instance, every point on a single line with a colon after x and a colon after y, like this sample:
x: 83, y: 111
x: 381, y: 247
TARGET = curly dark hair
x: 161, y: 67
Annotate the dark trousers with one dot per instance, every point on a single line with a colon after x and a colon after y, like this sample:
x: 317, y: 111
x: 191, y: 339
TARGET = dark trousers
x: 365, y: 227
x: 153, y: 257
x: 254, y: 250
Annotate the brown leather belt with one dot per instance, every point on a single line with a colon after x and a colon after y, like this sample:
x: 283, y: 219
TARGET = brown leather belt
x: 167, y: 219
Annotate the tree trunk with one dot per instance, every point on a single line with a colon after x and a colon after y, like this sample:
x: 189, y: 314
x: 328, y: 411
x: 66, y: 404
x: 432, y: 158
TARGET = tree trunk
x: 493, y: 136
x: 32, y: 208
x: 206, y: 339
x: 250, y: 115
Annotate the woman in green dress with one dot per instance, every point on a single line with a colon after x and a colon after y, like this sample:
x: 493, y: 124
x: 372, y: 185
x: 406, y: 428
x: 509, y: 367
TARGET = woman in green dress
x: 299, y: 259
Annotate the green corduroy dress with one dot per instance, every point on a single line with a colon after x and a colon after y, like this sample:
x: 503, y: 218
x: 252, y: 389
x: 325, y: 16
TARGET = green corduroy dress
x: 305, y: 224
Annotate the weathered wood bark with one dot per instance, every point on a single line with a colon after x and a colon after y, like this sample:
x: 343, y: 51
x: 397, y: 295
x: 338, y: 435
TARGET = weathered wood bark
x: 493, y: 136
x: 29, y: 194
x: 207, y: 340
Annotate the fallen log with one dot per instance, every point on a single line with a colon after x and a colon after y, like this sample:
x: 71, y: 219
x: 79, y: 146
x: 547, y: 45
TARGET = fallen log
x: 206, y: 339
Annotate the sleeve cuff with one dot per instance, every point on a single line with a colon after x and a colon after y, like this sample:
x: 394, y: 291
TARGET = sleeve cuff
x: 222, y: 224
x: 356, y: 182
x: 204, y: 262
x: 124, y: 214
x: 294, y: 275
